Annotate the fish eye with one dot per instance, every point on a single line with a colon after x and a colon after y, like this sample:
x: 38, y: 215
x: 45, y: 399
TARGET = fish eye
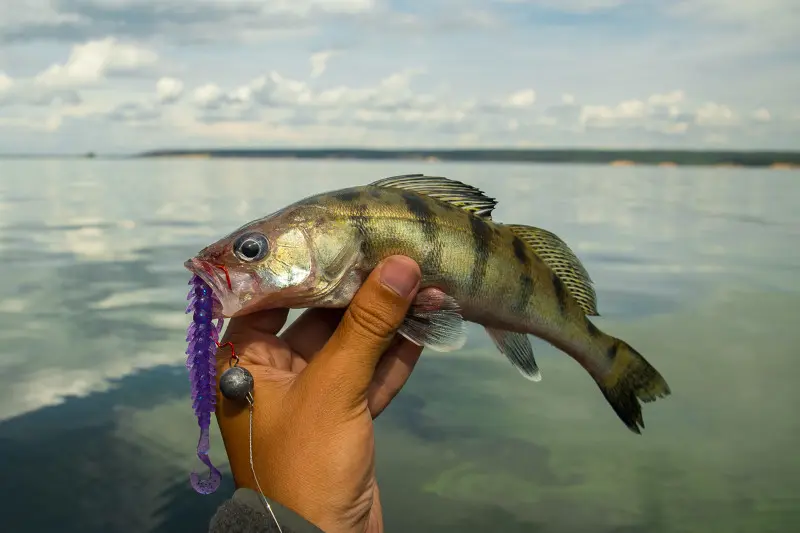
x: 251, y: 247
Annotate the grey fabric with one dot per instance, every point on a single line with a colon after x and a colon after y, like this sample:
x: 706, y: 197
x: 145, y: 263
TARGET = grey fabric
x: 244, y: 513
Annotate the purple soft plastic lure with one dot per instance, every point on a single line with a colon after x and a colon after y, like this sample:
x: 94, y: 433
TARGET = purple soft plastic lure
x: 202, y: 337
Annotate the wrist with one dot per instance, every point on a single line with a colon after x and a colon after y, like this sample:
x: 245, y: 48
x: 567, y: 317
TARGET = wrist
x: 370, y: 521
x: 375, y: 520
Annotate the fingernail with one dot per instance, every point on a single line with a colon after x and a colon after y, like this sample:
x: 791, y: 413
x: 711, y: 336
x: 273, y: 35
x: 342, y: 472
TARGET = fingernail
x: 400, y: 275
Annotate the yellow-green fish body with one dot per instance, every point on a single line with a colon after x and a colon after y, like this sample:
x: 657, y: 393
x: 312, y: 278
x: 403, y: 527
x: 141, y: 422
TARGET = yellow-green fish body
x: 514, y: 280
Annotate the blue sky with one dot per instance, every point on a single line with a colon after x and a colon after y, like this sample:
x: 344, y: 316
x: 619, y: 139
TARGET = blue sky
x: 130, y: 75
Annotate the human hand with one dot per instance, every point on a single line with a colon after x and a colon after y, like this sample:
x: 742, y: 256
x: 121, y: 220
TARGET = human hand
x: 317, y: 389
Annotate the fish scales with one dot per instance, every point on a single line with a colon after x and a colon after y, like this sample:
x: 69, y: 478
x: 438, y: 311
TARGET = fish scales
x: 407, y: 224
x: 493, y: 275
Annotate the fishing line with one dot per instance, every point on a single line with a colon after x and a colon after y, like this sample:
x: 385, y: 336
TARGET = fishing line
x: 255, y: 477
x: 236, y: 384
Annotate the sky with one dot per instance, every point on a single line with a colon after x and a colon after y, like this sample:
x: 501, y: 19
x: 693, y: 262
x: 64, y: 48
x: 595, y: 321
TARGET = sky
x: 123, y: 76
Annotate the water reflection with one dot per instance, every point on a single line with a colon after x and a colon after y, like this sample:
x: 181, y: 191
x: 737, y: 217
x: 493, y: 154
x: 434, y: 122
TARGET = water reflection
x: 72, y: 469
x: 695, y: 268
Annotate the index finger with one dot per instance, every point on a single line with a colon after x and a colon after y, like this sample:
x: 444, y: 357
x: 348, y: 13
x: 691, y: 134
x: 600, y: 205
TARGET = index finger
x: 242, y: 331
x: 309, y: 333
x: 260, y: 323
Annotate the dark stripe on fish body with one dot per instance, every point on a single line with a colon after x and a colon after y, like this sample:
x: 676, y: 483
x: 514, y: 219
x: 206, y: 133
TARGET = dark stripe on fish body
x: 481, y: 241
x: 358, y: 218
x: 560, y: 291
x: 525, y: 293
x: 422, y: 212
x: 376, y: 192
x: 591, y: 328
x: 520, y: 252
x: 611, y: 353
x: 348, y: 195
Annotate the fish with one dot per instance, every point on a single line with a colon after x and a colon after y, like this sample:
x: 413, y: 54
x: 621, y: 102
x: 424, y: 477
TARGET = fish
x: 514, y: 280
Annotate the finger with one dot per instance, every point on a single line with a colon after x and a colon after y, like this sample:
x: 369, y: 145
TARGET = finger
x: 391, y: 374
x: 348, y: 359
x: 258, y: 324
x: 255, y: 329
x: 309, y: 333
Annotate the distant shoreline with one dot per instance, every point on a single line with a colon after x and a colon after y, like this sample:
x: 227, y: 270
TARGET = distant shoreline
x: 620, y: 157
x: 775, y: 159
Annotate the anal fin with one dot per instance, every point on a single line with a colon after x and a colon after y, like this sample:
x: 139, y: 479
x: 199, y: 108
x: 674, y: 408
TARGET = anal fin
x: 517, y: 347
x: 435, y: 321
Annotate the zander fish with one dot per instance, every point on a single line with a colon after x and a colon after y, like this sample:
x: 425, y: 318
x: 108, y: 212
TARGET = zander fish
x: 514, y: 280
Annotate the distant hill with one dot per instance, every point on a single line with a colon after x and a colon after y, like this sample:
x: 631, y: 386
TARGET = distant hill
x: 608, y: 157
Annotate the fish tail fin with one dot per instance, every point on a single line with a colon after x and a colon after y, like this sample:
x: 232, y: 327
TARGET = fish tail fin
x: 630, y: 379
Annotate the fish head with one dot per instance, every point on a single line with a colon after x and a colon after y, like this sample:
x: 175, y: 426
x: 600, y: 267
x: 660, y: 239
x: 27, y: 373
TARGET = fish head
x: 288, y: 259
x: 265, y: 264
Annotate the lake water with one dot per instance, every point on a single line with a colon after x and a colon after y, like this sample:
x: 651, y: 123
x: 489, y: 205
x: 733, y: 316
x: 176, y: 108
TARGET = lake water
x: 699, y: 269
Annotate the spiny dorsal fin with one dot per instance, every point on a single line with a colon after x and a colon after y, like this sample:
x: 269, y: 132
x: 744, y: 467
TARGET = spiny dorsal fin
x: 563, y: 261
x: 453, y: 192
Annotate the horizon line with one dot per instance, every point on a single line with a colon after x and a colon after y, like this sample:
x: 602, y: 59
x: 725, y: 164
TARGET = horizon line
x: 159, y: 151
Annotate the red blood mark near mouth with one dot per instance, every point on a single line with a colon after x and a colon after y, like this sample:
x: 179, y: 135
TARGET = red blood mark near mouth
x: 227, y: 276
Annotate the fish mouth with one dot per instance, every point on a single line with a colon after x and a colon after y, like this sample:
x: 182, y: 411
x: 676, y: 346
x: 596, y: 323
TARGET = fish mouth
x: 219, y: 282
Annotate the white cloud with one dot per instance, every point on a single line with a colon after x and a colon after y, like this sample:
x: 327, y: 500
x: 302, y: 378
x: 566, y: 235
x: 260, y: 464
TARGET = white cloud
x: 278, y: 91
x: 49, y: 125
x: 5, y: 82
x: 608, y: 116
x: 671, y: 98
x: 91, y: 62
x: 207, y: 20
x: 736, y: 11
x: 573, y: 6
x: 715, y: 114
x: 275, y: 89
x: 49, y: 387
x: 319, y: 62
x: 765, y: 24
x: 24, y: 93
x: 305, y: 7
x: 208, y: 96
x: 169, y: 90
x: 747, y: 12
x: 134, y: 113
x: 667, y: 113
x: 227, y: 84
x: 41, y: 13
x: 524, y: 98
x: 762, y: 115
x: 521, y: 101
x: 392, y: 105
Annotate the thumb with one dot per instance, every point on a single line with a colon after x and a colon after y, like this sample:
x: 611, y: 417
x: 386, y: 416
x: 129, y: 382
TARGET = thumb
x: 348, y: 359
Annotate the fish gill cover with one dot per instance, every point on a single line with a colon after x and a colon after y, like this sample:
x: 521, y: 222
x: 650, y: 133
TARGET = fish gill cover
x: 203, y: 336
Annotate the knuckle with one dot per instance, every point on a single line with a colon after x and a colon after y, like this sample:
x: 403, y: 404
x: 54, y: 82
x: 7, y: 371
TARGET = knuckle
x: 371, y: 322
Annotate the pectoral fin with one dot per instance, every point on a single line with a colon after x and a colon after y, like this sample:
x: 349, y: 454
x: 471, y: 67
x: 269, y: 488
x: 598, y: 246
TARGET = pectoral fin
x: 435, y: 321
x: 517, y: 347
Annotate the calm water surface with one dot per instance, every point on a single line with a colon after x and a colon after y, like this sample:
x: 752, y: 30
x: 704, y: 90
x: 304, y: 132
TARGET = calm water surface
x: 698, y: 269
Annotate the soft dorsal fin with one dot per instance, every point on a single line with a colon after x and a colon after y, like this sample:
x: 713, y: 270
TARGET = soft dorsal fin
x: 561, y: 260
x: 453, y: 192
